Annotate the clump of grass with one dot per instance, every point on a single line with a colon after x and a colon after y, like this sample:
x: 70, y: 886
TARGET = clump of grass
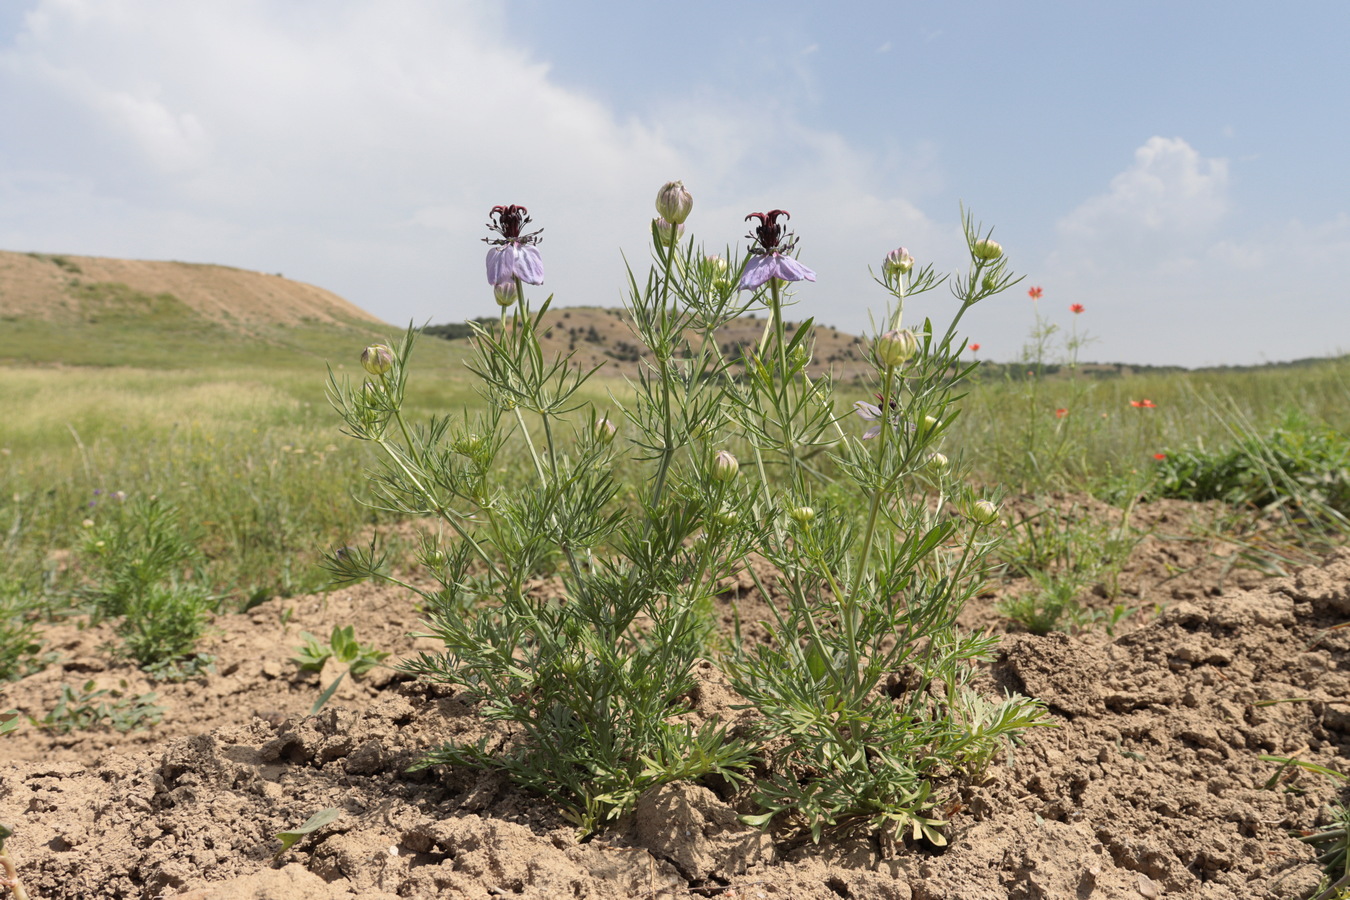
x: 146, y: 569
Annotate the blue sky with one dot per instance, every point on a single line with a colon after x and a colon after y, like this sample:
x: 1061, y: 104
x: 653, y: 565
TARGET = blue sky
x: 1180, y: 169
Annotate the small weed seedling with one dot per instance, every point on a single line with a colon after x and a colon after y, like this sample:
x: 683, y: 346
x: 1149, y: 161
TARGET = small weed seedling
x: 91, y: 707
x: 342, y: 646
x: 19, y: 644
x: 290, y: 838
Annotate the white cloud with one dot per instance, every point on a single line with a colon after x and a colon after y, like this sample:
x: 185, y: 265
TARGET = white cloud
x: 1169, y: 190
x: 1167, y: 275
x: 360, y: 147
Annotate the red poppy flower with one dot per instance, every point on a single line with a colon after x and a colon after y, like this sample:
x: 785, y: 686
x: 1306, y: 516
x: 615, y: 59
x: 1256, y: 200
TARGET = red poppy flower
x: 1075, y: 308
x: 974, y: 348
x: 1160, y: 456
x: 1034, y: 293
x: 1061, y: 413
x: 1143, y: 404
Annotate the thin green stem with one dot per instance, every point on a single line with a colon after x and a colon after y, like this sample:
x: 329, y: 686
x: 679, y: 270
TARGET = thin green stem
x: 667, y: 425
x: 874, y: 508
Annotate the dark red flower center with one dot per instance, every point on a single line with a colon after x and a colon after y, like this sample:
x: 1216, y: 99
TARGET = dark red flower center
x: 508, y: 222
x: 771, y: 237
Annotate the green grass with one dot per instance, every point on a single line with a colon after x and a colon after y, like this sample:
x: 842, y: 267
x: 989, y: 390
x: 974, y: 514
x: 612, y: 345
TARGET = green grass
x: 1011, y: 432
x: 236, y: 432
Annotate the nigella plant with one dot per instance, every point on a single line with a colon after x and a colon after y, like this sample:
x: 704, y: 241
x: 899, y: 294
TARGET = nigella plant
x: 592, y: 680
x: 641, y: 519
x: 513, y: 256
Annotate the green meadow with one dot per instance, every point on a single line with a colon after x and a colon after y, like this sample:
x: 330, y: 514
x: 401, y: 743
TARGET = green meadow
x: 235, y: 431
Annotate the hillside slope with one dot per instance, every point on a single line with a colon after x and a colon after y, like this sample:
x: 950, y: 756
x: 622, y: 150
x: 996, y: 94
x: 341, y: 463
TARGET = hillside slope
x: 596, y: 336
x: 75, y: 288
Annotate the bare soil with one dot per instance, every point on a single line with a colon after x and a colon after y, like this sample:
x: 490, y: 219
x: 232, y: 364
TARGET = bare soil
x: 1150, y: 785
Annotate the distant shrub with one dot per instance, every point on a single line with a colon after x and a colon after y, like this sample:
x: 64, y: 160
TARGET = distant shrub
x: 59, y: 261
x: 454, y: 331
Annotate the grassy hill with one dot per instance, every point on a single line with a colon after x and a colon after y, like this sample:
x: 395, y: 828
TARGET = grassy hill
x: 82, y: 310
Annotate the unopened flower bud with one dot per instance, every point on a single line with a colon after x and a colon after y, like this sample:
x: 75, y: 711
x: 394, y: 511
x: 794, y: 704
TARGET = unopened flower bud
x: 673, y: 202
x: 725, y: 517
x: 505, y: 293
x: 984, y: 512
x: 377, y: 359
x: 605, y: 430
x: 724, y: 466
x: 667, y: 233
x: 898, y: 262
x: 802, y: 515
x: 894, y: 347
x: 989, y: 282
x: 715, y: 265
x: 467, y: 445
x: 937, y: 461
x: 987, y: 250
x: 722, y: 285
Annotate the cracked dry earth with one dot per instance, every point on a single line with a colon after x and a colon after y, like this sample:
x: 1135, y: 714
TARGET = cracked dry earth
x: 1150, y: 785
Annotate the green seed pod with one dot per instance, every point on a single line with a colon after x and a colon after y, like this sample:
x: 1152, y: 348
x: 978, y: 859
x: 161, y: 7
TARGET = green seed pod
x: 894, y: 348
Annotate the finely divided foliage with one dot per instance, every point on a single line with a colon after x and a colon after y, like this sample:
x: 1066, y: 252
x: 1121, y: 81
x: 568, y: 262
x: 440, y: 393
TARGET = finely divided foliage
x: 864, y: 716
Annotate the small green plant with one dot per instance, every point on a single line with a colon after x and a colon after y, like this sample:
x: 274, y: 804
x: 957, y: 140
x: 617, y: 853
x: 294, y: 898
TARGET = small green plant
x: 19, y: 643
x: 92, y: 707
x: 1046, y: 607
x: 1064, y: 551
x: 321, y: 818
x: 342, y: 646
x: 145, y: 566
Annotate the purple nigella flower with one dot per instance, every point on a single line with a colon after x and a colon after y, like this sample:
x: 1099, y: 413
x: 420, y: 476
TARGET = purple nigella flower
x: 771, y: 258
x: 513, y: 255
x: 871, y: 412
